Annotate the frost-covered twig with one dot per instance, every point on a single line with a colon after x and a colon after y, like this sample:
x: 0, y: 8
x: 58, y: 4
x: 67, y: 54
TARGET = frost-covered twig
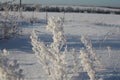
x: 41, y: 52
x: 109, y: 51
x: 75, y: 60
x: 87, y: 64
x: 93, y: 55
x: 55, y: 26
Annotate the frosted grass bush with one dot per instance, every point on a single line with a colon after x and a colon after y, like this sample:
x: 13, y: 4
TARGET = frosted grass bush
x: 3, y: 64
x: 9, y: 26
x: 3, y: 74
x: 52, y: 59
x: 6, y: 14
x: 75, y: 61
x: 87, y: 64
x: 55, y: 26
x: 20, y: 13
x: 41, y: 52
x: 91, y: 51
x: 9, y: 70
x: 3, y: 58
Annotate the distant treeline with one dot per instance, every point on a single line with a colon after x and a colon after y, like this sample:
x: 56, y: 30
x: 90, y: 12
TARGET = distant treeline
x: 61, y: 9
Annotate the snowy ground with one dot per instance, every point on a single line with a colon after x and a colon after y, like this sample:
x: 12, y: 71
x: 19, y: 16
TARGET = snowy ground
x: 102, y: 29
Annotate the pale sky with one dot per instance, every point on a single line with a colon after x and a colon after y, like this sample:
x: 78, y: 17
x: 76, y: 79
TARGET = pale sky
x: 112, y: 3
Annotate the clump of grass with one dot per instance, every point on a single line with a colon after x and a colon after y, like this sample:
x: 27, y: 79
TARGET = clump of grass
x: 50, y: 57
x: 87, y: 64
x: 91, y: 52
x: 9, y: 70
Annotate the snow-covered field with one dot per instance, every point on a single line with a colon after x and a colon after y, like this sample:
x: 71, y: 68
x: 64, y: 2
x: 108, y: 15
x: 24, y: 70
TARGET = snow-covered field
x: 102, y: 29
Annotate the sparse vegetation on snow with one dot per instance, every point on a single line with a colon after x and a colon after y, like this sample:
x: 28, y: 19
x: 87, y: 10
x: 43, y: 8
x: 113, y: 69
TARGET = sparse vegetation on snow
x: 73, y: 46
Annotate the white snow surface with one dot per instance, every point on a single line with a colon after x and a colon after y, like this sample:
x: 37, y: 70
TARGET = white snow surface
x: 98, y: 27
